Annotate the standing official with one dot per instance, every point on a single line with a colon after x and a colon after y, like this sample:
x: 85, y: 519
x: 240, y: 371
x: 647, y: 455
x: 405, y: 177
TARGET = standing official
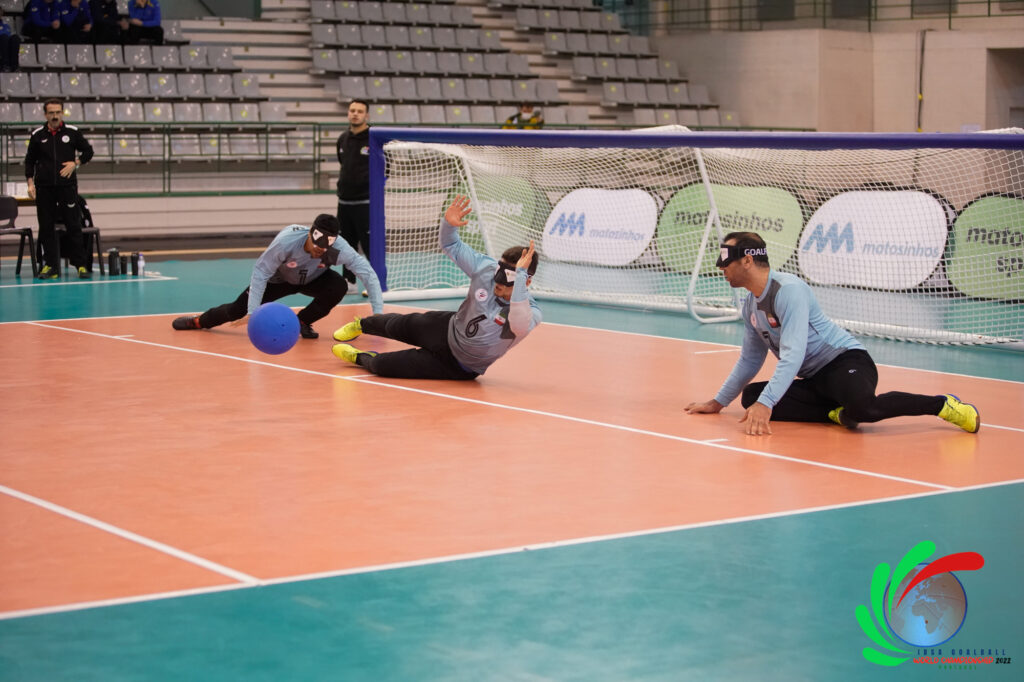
x: 55, y: 152
x: 353, y: 149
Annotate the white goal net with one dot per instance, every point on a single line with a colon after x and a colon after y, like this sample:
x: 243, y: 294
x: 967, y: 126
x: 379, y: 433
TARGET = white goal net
x: 921, y: 243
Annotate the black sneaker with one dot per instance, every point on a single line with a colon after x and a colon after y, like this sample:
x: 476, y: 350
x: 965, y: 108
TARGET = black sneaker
x: 49, y: 273
x: 307, y: 331
x: 83, y: 273
x: 186, y: 322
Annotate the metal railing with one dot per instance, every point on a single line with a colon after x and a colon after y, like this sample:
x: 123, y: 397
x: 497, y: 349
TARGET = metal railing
x: 648, y: 18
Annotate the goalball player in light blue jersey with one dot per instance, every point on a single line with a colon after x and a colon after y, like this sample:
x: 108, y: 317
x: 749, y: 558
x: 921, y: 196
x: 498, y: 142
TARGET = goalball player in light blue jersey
x: 298, y: 261
x: 497, y: 314
x: 837, y: 375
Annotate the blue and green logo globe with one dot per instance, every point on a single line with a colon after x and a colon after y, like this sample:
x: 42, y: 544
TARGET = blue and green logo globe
x: 927, y: 606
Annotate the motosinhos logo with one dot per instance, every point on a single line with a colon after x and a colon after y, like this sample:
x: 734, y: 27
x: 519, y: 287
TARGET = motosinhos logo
x: 920, y: 604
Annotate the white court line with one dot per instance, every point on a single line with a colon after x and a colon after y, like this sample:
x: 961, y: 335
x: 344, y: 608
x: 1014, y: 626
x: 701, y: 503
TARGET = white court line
x: 64, y: 608
x: 88, y: 282
x: 130, y: 536
x: 374, y: 381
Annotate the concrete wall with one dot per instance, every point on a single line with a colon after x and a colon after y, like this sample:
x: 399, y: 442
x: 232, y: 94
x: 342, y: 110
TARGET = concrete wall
x: 848, y: 81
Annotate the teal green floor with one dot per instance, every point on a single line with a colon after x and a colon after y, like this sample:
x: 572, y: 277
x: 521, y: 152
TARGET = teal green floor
x: 771, y: 599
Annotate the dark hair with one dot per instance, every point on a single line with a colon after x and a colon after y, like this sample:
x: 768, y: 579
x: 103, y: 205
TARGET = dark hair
x: 749, y: 240
x: 327, y: 224
x: 53, y: 100
x: 514, y: 253
x: 360, y: 101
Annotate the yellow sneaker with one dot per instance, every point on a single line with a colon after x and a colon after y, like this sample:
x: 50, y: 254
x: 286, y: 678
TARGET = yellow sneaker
x: 48, y: 273
x: 83, y: 273
x: 838, y: 417
x: 961, y: 414
x: 350, y: 353
x: 349, y: 331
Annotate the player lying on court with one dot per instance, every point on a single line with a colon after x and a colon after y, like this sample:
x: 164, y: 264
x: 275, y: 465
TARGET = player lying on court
x: 497, y: 314
x: 838, y: 377
x: 298, y: 261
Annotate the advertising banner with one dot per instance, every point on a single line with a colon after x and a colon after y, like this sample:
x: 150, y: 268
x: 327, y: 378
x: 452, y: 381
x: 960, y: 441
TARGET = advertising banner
x: 771, y: 212
x: 875, y: 239
x: 600, y: 226
x: 987, y: 259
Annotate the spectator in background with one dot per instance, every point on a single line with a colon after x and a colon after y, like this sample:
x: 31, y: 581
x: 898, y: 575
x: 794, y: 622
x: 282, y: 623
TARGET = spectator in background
x: 41, y: 21
x: 144, y: 22
x: 76, y: 21
x: 10, y: 44
x: 108, y: 25
x: 527, y: 118
x: 353, y: 148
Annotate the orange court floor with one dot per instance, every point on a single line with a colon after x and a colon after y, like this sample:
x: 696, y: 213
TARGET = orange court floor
x: 157, y: 484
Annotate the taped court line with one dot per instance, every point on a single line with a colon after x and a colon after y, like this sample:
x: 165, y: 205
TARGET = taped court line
x: 375, y: 381
x: 130, y: 536
x: 452, y: 558
x: 90, y: 282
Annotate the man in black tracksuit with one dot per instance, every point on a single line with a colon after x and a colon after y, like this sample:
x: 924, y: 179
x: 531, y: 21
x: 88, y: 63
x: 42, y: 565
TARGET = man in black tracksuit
x: 353, y: 149
x: 55, y: 151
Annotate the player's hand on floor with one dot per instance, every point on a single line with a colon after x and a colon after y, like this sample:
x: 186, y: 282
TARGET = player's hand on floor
x: 708, y: 407
x: 240, y: 322
x: 756, y: 418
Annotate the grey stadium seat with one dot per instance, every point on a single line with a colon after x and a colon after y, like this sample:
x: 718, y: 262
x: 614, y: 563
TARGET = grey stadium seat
x: 455, y: 114
x: 351, y: 61
x: 129, y: 112
x: 105, y: 85
x: 163, y: 85
x: 407, y: 113
x: 191, y: 85
x: 110, y: 57
x: 138, y: 56
x: 325, y: 60
x: 188, y: 112
x: 219, y: 84
x: 482, y: 113
x: 74, y: 84
x: 166, y: 57
x: 245, y: 85
x: 216, y: 112
x: 51, y: 56
x: 432, y: 113
x: 45, y: 84
x: 193, y: 58
x: 245, y: 113
x: 82, y: 57
x: 98, y: 112
x: 159, y: 112
x: 134, y: 84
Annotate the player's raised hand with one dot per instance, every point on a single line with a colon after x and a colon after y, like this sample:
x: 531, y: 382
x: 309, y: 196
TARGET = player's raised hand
x: 526, y: 258
x: 458, y: 210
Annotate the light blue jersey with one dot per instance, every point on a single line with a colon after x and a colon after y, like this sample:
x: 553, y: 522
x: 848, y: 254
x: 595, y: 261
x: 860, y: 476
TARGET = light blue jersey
x: 786, y: 320
x: 286, y: 260
x: 485, y: 326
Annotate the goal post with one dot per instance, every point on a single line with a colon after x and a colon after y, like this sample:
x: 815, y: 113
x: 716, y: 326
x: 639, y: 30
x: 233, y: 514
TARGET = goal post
x: 908, y: 236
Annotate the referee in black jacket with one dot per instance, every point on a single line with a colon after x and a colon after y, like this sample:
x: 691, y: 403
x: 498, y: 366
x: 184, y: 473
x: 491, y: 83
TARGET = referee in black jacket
x: 55, y: 151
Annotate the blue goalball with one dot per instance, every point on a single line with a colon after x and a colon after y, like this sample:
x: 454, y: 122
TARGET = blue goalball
x: 273, y: 328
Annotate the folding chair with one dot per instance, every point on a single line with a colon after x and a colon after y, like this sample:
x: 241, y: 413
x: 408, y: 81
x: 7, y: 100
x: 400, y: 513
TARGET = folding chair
x: 8, y: 215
